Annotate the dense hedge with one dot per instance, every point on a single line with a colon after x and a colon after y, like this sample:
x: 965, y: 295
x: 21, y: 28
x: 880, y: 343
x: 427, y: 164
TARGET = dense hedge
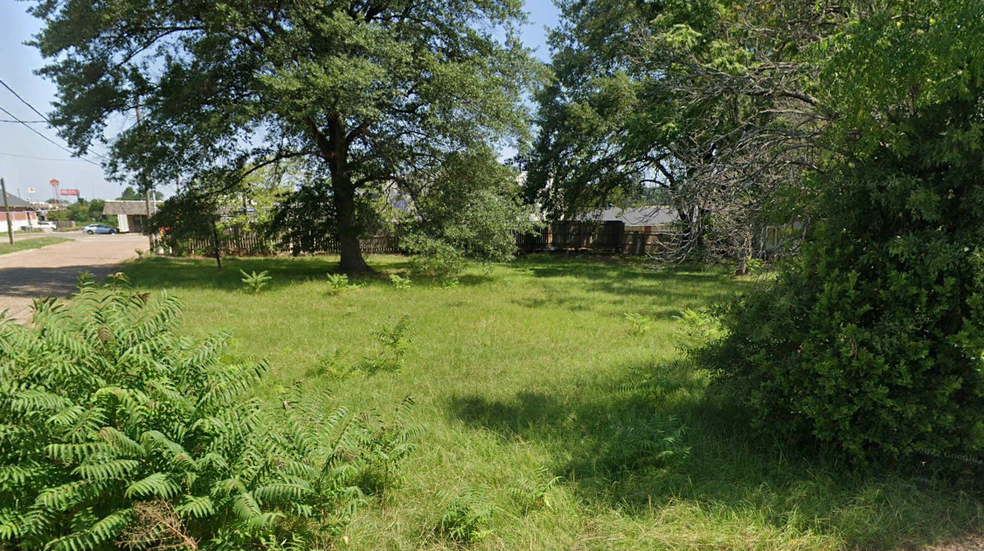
x: 872, y: 339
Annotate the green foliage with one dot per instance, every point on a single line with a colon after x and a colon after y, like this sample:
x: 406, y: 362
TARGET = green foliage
x: 494, y: 413
x: 255, y: 282
x: 699, y: 328
x: 395, y: 341
x: 450, y: 283
x: 638, y: 324
x: 106, y: 408
x: 83, y: 212
x: 184, y: 216
x: 871, y: 340
x: 130, y: 194
x: 532, y: 492
x: 29, y: 243
x: 464, y: 517
x: 468, y: 208
x: 401, y: 283
x: 361, y: 94
x: 392, y: 342
x: 338, y: 283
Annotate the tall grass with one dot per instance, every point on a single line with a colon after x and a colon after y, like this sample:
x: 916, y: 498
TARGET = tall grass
x: 535, y: 370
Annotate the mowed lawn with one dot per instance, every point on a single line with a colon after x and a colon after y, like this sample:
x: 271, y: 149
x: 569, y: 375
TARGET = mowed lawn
x: 551, y: 418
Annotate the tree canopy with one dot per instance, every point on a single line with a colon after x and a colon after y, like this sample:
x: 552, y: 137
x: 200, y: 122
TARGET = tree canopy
x: 871, y: 339
x: 709, y: 101
x: 365, y: 92
x: 130, y: 194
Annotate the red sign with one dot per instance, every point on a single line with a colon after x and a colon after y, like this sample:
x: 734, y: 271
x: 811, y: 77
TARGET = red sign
x: 74, y: 192
x: 54, y: 183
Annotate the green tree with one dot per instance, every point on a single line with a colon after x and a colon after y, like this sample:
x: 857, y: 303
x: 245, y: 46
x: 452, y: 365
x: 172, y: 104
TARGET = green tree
x: 130, y: 194
x: 872, y: 339
x: 705, y: 101
x: 366, y: 92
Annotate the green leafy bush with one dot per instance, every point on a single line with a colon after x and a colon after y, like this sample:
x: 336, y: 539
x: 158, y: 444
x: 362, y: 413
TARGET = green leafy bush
x: 401, y: 283
x: 255, y: 282
x: 115, y: 428
x: 638, y: 323
x: 872, y: 340
x: 465, y: 516
x: 394, y: 341
x: 338, y: 283
x: 533, y: 493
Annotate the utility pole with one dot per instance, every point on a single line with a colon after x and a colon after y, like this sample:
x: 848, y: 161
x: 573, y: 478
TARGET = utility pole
x: 150, y: 236
x: 6, y: 208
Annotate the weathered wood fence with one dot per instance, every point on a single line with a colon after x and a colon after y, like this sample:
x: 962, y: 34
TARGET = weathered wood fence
x: 600, y: 237
x: 240, y: 243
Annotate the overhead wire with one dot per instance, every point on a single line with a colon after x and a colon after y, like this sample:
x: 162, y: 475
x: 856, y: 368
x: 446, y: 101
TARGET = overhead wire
x: 39, y: 113
x: 46, y: 138
x: 42, y: 158
x: 24, y: 101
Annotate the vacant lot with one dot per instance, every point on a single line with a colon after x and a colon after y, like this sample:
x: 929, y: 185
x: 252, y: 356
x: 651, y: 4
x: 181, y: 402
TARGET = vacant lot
x: 556, y: 411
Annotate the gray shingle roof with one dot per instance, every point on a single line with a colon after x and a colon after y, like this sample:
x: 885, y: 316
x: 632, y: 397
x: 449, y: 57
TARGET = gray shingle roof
x: 15, y: 202
x: 639, y: 216
x: 126, y: 207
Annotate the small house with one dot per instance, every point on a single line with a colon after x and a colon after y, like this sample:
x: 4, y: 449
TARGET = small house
x: 131, y: 215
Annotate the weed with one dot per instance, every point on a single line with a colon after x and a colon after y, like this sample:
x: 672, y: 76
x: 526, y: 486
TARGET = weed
x: 401, y: 283
x: 639, y: 324
x: 395, y: 341
x: 330, y: 364
x: 532, y: 493
x: 464, y: 518
x: 255, y: 282
x: 338, y: 283
x: 450, y: 283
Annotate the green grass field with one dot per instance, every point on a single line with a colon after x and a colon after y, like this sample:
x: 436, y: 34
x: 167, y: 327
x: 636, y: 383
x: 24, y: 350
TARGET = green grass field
x: 531, y: 371
x: 25, y: 243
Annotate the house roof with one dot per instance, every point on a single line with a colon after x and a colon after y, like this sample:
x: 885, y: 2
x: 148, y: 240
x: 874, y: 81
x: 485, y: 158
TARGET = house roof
x: 638, y: 216
x: 16, y: 202
x: 126, y: 207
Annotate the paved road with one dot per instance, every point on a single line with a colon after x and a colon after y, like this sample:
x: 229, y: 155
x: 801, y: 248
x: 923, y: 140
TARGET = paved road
x: 53, y: 270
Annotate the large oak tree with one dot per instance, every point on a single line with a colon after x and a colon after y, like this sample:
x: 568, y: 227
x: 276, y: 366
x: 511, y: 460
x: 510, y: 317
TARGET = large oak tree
x: 368, y: 92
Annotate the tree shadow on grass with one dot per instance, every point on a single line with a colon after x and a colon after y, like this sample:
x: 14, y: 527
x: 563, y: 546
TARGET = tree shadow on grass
x: 201, y: 273
x: 631, y: 277
x: 661, y: 438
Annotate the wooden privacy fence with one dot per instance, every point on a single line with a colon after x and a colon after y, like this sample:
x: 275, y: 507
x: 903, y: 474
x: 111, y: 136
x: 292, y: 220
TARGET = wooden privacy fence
x: 601, y: 237
x: 253, y: 244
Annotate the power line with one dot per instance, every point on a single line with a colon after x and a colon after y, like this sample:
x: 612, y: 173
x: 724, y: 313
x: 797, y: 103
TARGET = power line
x: 28, y: 122
x: 42, y: 158
x: 46, y: 138
x: 39, y: 113
x: 24, y: 101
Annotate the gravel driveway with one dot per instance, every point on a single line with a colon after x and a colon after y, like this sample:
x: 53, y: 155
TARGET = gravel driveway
x: 53, y: 270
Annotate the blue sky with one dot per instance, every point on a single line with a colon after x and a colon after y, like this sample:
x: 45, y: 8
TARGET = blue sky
x: 17, y: 65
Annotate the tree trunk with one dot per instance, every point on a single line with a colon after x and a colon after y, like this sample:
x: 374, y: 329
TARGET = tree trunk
x: 216, y: 246
x: 348, y: 231
x: 335, y: 147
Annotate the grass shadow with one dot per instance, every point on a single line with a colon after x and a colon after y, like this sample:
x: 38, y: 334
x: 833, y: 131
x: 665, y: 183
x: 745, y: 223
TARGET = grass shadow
x: 201, y: 273
x: 662, y: 439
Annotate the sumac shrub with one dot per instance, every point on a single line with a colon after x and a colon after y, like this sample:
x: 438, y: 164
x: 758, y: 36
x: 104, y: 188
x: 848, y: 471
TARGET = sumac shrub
x: 115, y: 428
